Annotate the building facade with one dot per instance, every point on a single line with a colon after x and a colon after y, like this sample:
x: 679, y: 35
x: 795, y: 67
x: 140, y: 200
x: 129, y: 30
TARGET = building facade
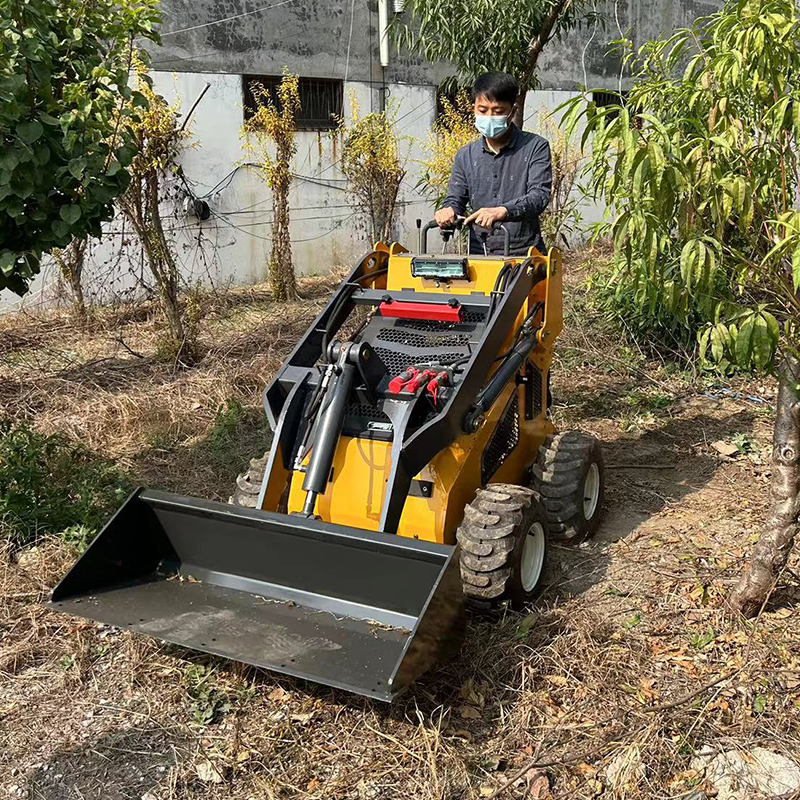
x: 215, y: 50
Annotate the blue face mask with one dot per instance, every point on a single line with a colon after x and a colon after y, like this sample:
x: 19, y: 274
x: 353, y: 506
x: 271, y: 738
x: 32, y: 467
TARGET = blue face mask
x: 491, y: 127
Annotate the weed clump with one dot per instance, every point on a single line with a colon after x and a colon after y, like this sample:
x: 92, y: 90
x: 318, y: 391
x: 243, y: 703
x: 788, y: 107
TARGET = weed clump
x: 51, y: 485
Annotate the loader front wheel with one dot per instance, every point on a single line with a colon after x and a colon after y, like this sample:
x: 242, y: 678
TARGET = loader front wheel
x: 248, y: 484
x: 503, y: 540
x: 569, y: 475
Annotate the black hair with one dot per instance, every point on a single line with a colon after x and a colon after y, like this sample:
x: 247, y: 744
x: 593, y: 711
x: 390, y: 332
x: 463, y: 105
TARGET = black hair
x: 499, y: 87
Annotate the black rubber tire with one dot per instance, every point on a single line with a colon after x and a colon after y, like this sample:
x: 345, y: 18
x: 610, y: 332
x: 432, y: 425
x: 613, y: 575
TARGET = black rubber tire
x: 248, y: 484
x: 491, y: 538
x: 559, y: 476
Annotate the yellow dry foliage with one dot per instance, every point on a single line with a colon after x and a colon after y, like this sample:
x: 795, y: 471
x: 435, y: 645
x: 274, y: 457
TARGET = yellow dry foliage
x: 453, y: 129
x: 372, y: 164
x: 156, y: 127
x: 272, y: 127
x: 274, y: 124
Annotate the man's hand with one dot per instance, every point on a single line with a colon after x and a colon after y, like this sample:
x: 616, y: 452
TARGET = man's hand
x: 445, y: 217
x: 486, y: 217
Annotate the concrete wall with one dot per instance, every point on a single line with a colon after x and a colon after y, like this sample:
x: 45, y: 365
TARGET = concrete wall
x: 584, y: 57
x: 233, y: 246
x: 314, y: 39
x: 316, y: 34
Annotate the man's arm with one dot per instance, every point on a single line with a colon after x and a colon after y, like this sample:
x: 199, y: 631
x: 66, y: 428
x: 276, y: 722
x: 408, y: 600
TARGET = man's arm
x: 539, y: 184
x: 457, y: 194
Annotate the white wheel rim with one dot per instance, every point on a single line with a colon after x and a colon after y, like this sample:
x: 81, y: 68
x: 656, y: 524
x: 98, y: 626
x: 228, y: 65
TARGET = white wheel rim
x: 532, y: 557
x: 591, y: 491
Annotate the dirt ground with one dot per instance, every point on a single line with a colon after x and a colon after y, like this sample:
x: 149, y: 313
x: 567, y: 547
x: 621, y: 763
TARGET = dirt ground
x: 609, y: 686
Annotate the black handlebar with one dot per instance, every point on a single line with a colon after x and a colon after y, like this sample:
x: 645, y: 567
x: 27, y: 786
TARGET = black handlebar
x: 423, y: 235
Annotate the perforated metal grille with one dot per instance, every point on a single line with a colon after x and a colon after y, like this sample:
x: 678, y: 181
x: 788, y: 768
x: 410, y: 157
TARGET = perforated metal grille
x: 537, y: 390
x: 421, y: 340
x: 367, y: 411
x: 503, y: 441
x: 396, y: 362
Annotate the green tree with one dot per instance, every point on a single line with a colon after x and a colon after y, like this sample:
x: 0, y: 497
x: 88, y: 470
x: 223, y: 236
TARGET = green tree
x: 700, y: 173
x: 486, y: 35
x: 64, y: 122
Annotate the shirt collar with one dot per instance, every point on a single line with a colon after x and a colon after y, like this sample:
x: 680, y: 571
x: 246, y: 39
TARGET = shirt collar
x: 513, y: 142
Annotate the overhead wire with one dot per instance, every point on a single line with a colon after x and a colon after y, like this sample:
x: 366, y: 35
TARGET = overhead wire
x: 226, y: 19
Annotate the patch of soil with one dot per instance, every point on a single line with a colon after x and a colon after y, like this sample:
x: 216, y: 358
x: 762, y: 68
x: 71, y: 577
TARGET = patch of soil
x: 629, y: 656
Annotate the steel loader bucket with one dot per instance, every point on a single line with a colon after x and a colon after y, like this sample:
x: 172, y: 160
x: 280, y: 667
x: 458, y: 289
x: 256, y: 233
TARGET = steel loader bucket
x: 366, y: 612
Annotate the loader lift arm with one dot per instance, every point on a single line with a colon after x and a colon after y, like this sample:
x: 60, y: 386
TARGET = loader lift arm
x: 411, y: 450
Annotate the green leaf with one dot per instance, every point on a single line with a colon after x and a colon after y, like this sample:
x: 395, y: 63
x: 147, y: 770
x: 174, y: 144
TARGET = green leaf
x: 30, y: 131
x: 60, y: 229
x: 796, y: 267
x: 125, y: 155
x: 745, y: 342
x: 762, y: 343
x: 759, y: 704
x: 703, y: 639
x: 76, y: 167
x: 9, y: 159
x: 632, y: 621
x: 70, y: 214
x: 47, y: 119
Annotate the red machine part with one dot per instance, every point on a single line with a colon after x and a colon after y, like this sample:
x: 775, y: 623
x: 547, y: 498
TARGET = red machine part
x: 410, y: 380
x: 397, y: 384
x: 441, y: 312
x: 439, y: 381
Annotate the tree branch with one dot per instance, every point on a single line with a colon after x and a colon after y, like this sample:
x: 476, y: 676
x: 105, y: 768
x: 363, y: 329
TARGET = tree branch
x: 557, y: 10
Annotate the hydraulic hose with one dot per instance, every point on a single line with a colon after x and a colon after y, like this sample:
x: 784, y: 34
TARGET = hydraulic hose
x: 505, y: 372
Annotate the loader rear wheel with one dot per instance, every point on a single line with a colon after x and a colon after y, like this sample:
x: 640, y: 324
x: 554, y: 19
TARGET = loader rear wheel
x: 248, y: 484
x: 570, y: 476
x: 503, y: 540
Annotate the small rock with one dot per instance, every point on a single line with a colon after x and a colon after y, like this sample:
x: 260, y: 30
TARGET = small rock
x: 738, y: 776
x: 725, y: 448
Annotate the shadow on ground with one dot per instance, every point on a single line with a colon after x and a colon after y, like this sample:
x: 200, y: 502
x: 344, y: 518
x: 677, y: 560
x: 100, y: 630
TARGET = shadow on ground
x: 644, y: 475
x: 120, y: 765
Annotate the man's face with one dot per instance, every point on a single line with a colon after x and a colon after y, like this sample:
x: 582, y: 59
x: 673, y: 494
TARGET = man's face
x: 484, y: 107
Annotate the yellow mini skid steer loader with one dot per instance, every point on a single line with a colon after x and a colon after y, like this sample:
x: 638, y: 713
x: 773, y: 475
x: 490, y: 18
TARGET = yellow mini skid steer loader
x: 413, y: 465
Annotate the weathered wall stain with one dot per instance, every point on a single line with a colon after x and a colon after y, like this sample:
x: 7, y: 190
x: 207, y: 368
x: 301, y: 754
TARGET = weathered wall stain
x: 311, y: 37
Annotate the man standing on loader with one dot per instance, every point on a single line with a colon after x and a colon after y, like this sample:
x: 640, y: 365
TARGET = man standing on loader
x: 505, y: 176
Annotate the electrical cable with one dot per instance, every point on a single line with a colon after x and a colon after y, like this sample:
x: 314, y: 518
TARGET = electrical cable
x: 226, y: 19
x: 349, y: 39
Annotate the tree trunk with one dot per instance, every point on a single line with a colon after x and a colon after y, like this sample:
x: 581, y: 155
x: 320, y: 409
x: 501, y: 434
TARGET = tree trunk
x: 164, y: 269
x: 70, y: 265
x: 519, y: 114
x: 772, y: 550
x: 535, y: 47
x: 281, y: 269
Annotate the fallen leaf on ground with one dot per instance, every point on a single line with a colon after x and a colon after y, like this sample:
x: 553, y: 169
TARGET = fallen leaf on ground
x: 468, y: 712
x: 208, y: 773
x: 303, y: 718
x: 277, y: 695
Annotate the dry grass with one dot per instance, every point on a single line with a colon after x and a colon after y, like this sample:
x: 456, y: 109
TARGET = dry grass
x: 629, y: 658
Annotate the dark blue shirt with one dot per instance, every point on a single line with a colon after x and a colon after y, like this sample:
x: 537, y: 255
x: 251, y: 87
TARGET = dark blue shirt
x: 519, y: 177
